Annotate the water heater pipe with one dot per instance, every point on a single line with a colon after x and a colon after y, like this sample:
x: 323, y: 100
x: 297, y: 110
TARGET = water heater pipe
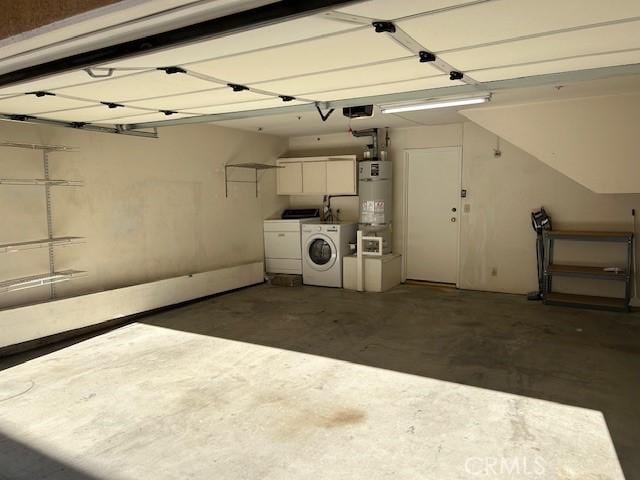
x: 370, y: 132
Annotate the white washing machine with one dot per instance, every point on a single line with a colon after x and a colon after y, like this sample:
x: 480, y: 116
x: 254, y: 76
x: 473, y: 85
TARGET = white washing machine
x: 323, y: 247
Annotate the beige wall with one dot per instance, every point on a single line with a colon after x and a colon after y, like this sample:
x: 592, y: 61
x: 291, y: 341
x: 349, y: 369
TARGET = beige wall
x: 593, y: 140
x: 496, y: 234
x: 151, y: 209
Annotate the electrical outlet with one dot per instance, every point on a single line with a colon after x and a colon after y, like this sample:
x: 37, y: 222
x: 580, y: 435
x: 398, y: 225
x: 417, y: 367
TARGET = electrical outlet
x: 494, y: 272
x: 467, y: 207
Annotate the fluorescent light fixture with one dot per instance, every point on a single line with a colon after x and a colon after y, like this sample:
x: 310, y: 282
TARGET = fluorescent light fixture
x: 444, y: 103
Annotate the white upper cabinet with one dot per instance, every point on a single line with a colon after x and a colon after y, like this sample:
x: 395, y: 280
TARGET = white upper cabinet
x: 314, y: 178
x: 289, y: 177
x: 318, y: 176
x: 341, y: 176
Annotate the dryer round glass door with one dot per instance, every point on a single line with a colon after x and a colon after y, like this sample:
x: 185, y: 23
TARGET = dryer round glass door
x: 320, y: 252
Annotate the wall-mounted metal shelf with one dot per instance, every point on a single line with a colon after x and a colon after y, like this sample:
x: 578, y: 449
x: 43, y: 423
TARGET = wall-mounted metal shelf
x: 41, y: 181
x: 39, y: 280
x: 46, y: 242
x: 54, y: 276
x: 36, y: 146
x: 248, y: 166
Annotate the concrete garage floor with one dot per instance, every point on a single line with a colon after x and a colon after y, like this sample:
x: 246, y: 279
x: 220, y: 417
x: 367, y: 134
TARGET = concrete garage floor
x: 279, y: 383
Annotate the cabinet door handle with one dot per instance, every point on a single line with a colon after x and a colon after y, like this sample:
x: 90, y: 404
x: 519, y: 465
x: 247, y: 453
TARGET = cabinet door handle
x: 281, y: 234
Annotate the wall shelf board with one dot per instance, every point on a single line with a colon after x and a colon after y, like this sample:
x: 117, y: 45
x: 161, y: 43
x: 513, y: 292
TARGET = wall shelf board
x: 589, y: 236
x: 247, y: 166
x: 41, y: 181
x: 586, y: 272
x: 36, y: 146
x: 586, y: 301
x: 253, y: 166
x: 32, y: 281
x: 32, y: 244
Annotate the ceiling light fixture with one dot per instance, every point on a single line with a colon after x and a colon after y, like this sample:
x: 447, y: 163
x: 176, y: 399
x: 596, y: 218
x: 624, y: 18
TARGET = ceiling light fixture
x: 444, y: 103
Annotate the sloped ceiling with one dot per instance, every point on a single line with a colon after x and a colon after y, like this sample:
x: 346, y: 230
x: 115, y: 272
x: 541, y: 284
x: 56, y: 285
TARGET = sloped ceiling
x: 592, y: 140
x: 339, y: 55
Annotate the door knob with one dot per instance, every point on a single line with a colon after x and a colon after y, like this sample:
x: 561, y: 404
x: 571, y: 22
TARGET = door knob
x: 454, y: 209
x: 453, y: 219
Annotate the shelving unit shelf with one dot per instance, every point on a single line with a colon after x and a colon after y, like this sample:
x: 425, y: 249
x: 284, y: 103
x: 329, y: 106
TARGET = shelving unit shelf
x: 249, y: 166
x: 621, y: 274
x: 53, y: 276
x: 37, y: 146
x: 41, y: 181
x: 46, y: 242
x: 39, y: 280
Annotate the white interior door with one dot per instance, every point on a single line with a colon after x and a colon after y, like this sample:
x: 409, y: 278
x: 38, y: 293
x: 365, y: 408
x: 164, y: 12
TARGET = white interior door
x: 433, y: 181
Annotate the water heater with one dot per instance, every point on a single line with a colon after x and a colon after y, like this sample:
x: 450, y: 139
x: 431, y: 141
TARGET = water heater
x: 376, y: 193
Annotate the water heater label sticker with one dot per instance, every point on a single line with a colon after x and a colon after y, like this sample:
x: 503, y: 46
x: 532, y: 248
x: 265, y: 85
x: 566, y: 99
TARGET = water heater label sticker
x: 373, y: 206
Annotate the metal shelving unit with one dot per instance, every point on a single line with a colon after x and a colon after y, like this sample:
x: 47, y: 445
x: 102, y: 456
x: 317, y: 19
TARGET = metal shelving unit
x: 552, y: 269
x: 52, y: 277
x: 250, y: 166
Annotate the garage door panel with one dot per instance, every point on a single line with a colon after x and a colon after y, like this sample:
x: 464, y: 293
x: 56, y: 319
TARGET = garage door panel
x: 557, y: 66
x: 399, y: 87
x: 610, y: 38
x: 271, y: 36
x: 339, y: 51
x: 407, y: 69
x: 244, y: 107
x: 391, y: 10
x: 29, y: 104
x: 139, y: 86
x: 92, y: 114
x: 145, y: 117
x: 58, y: 81
x: 198, y: 99
x: 504, y: 19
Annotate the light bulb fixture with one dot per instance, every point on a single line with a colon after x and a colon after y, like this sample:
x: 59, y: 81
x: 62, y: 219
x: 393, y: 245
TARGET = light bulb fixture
x: 436, y: 103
